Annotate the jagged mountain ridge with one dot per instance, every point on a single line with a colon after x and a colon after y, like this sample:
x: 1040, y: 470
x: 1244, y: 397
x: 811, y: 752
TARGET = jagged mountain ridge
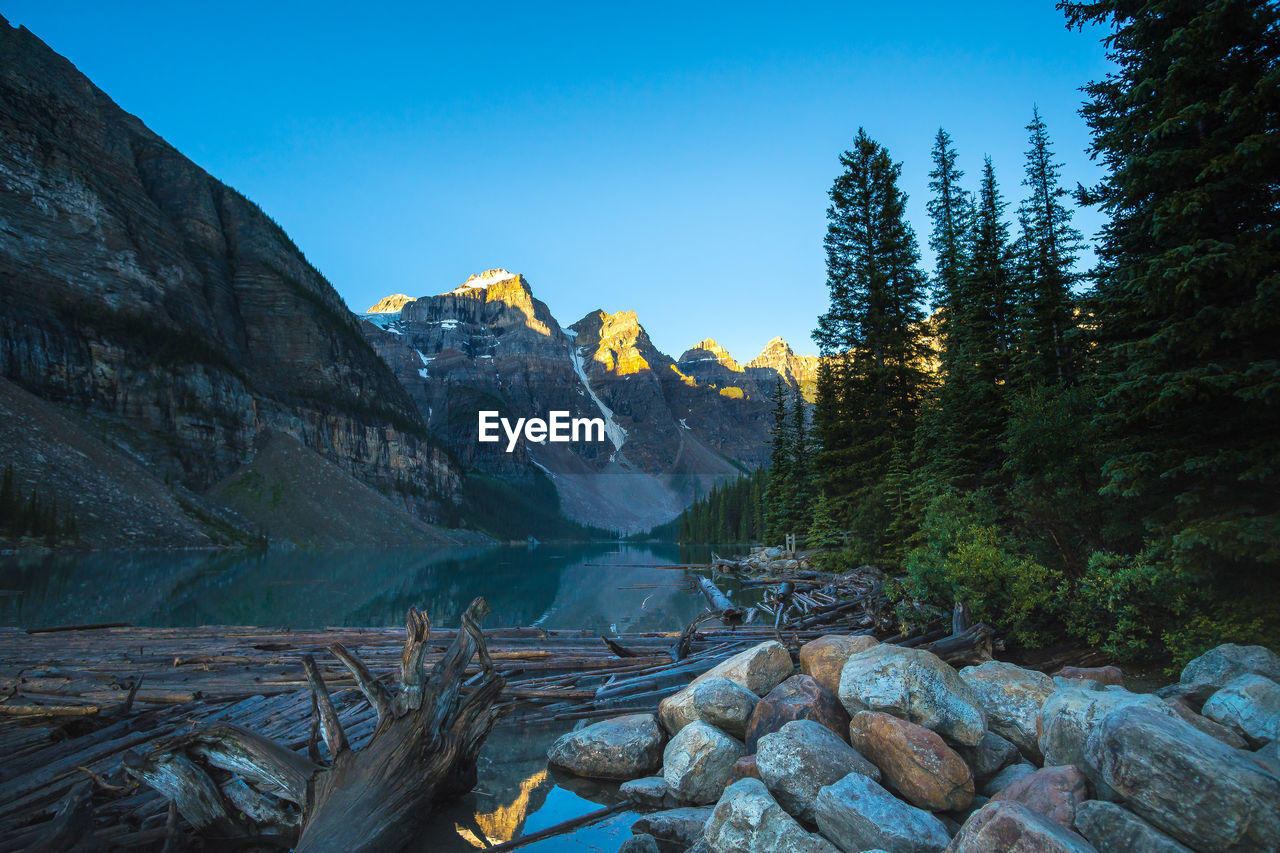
x: 674, y: 429
x: 710, y: 364
x: 138, y: 290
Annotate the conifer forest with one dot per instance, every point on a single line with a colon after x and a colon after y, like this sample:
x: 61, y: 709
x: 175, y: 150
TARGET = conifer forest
x: 1083, y: 449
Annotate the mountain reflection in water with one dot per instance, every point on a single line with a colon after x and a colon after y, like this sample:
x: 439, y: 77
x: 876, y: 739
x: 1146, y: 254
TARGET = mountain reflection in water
x: 600, y: 588
x: 604, y: 588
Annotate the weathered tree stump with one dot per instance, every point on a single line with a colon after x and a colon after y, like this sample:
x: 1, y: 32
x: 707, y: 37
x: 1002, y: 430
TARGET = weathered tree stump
x: 230, y: 783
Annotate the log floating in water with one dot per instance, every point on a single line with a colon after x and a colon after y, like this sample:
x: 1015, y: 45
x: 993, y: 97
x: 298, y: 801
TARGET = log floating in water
x: 725, y: 609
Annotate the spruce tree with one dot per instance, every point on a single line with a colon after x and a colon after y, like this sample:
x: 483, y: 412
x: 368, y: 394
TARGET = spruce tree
x: 872, y: 332
x: 1188, y: 294
x: 781, y: 496
x: 801, y: 475
x: 972, y: 404
x: 1047, y: 251
x: 950, y: 210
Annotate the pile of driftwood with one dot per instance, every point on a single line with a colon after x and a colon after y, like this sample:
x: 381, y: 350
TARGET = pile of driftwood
x: 135, y: 738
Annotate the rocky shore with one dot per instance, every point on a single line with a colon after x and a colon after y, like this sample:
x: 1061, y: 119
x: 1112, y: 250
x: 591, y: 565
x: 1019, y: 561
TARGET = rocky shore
x: 865, y: 747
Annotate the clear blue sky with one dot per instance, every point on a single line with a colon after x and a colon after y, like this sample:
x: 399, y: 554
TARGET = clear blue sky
x: 672, y: 158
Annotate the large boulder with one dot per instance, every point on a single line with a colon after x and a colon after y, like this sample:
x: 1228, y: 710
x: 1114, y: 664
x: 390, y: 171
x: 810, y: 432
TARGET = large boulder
x: 724, y: 704
x: 915, y: 685
x: 650, y: 792
x: 1184, y: 782
x: 1099, y: 674
x: 1070, y: 714
x: 1112, y: 827
x: 989, y: 757
x: 1011, y: 697
x: 698, y: 761
x: 1007, y: 777
x: 915, y: 762
x: 748, y: 820
x: 1214, y: 669
x: 800, y: 697
x: 1010, y: 827
x: 620, y: 748
x: 825, y: 657
x: 1204, y: 724
x: 1250, y: 705
x: 759, y: 669
x: 643, y: 843
x: 680, y: 827
x: 1055, y: 792
x: 800, y: 758
x: 857, y: 814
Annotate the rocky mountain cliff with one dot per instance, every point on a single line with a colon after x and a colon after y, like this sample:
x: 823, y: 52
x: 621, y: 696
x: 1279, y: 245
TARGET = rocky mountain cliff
x: 710, y: 364
x: 671, y: 433
x: 140, y: 292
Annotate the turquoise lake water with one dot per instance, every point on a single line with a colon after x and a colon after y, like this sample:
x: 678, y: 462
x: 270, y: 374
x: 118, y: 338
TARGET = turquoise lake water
x: 605, y: 588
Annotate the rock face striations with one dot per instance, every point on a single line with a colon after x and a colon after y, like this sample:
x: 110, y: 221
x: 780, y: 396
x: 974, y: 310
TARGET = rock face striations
x: 671, y: 433
x: 710, y: 364
x: 141, y: 291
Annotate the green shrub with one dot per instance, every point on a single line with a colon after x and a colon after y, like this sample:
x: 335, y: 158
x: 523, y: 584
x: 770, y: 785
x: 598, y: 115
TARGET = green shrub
x: 962, y: 555
x: 1125, y: 602
x: 844, y: 559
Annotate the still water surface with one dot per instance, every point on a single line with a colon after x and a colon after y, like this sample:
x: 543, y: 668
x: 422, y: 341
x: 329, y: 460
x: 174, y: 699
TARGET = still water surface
x: 604, y: 588
x: 596, y: 587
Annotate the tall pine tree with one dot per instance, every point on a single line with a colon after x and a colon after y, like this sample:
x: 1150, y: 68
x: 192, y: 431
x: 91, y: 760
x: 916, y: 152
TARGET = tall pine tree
x: 950, y: 211
x: 780, y: 495
x: 869, y: 399
x: 976, y: 401
x: 1189, y: 285
x: 1047, y: 252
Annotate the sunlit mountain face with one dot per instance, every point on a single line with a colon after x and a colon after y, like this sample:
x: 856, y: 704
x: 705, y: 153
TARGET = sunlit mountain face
x: 672, y: 429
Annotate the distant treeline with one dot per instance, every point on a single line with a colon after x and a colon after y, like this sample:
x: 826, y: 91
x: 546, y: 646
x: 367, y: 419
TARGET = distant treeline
x: 731, y: 512
x: 28, y: 515
x: 1091, y: 454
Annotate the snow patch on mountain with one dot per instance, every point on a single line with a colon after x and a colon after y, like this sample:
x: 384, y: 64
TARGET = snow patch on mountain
x: 612, y: 428
x: 480, y: 281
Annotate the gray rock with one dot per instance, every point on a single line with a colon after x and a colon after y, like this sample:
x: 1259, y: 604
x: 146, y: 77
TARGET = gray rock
x: 1002, y: 827
x: 748, y: 820
x: 639, y: 844
x: 697, y: 762
x: 724, y: 704
x: 803, y: 756
x: 1070, y: 714
x: 989, y: 757
x: 1250, y: 705
x: 1084, y: 683
x: 1112, y: 827
x: 681, y: 826
x: 1011, y: 697
x: 620, y: 748
x: 1204, y: 724
x: 1184, y: 782
x: 915, y: 685
x: 1215, y: 668
x: 650, y: 792
x: 1007, y: 777
x: 857, y: 814
x: 759, y: 669
x: 1268, y: 758
x: 700, y: 846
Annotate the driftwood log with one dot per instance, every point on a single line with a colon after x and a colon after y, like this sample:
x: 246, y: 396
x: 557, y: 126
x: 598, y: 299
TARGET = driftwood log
x: 726, y: 611
x: 230, y: 783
